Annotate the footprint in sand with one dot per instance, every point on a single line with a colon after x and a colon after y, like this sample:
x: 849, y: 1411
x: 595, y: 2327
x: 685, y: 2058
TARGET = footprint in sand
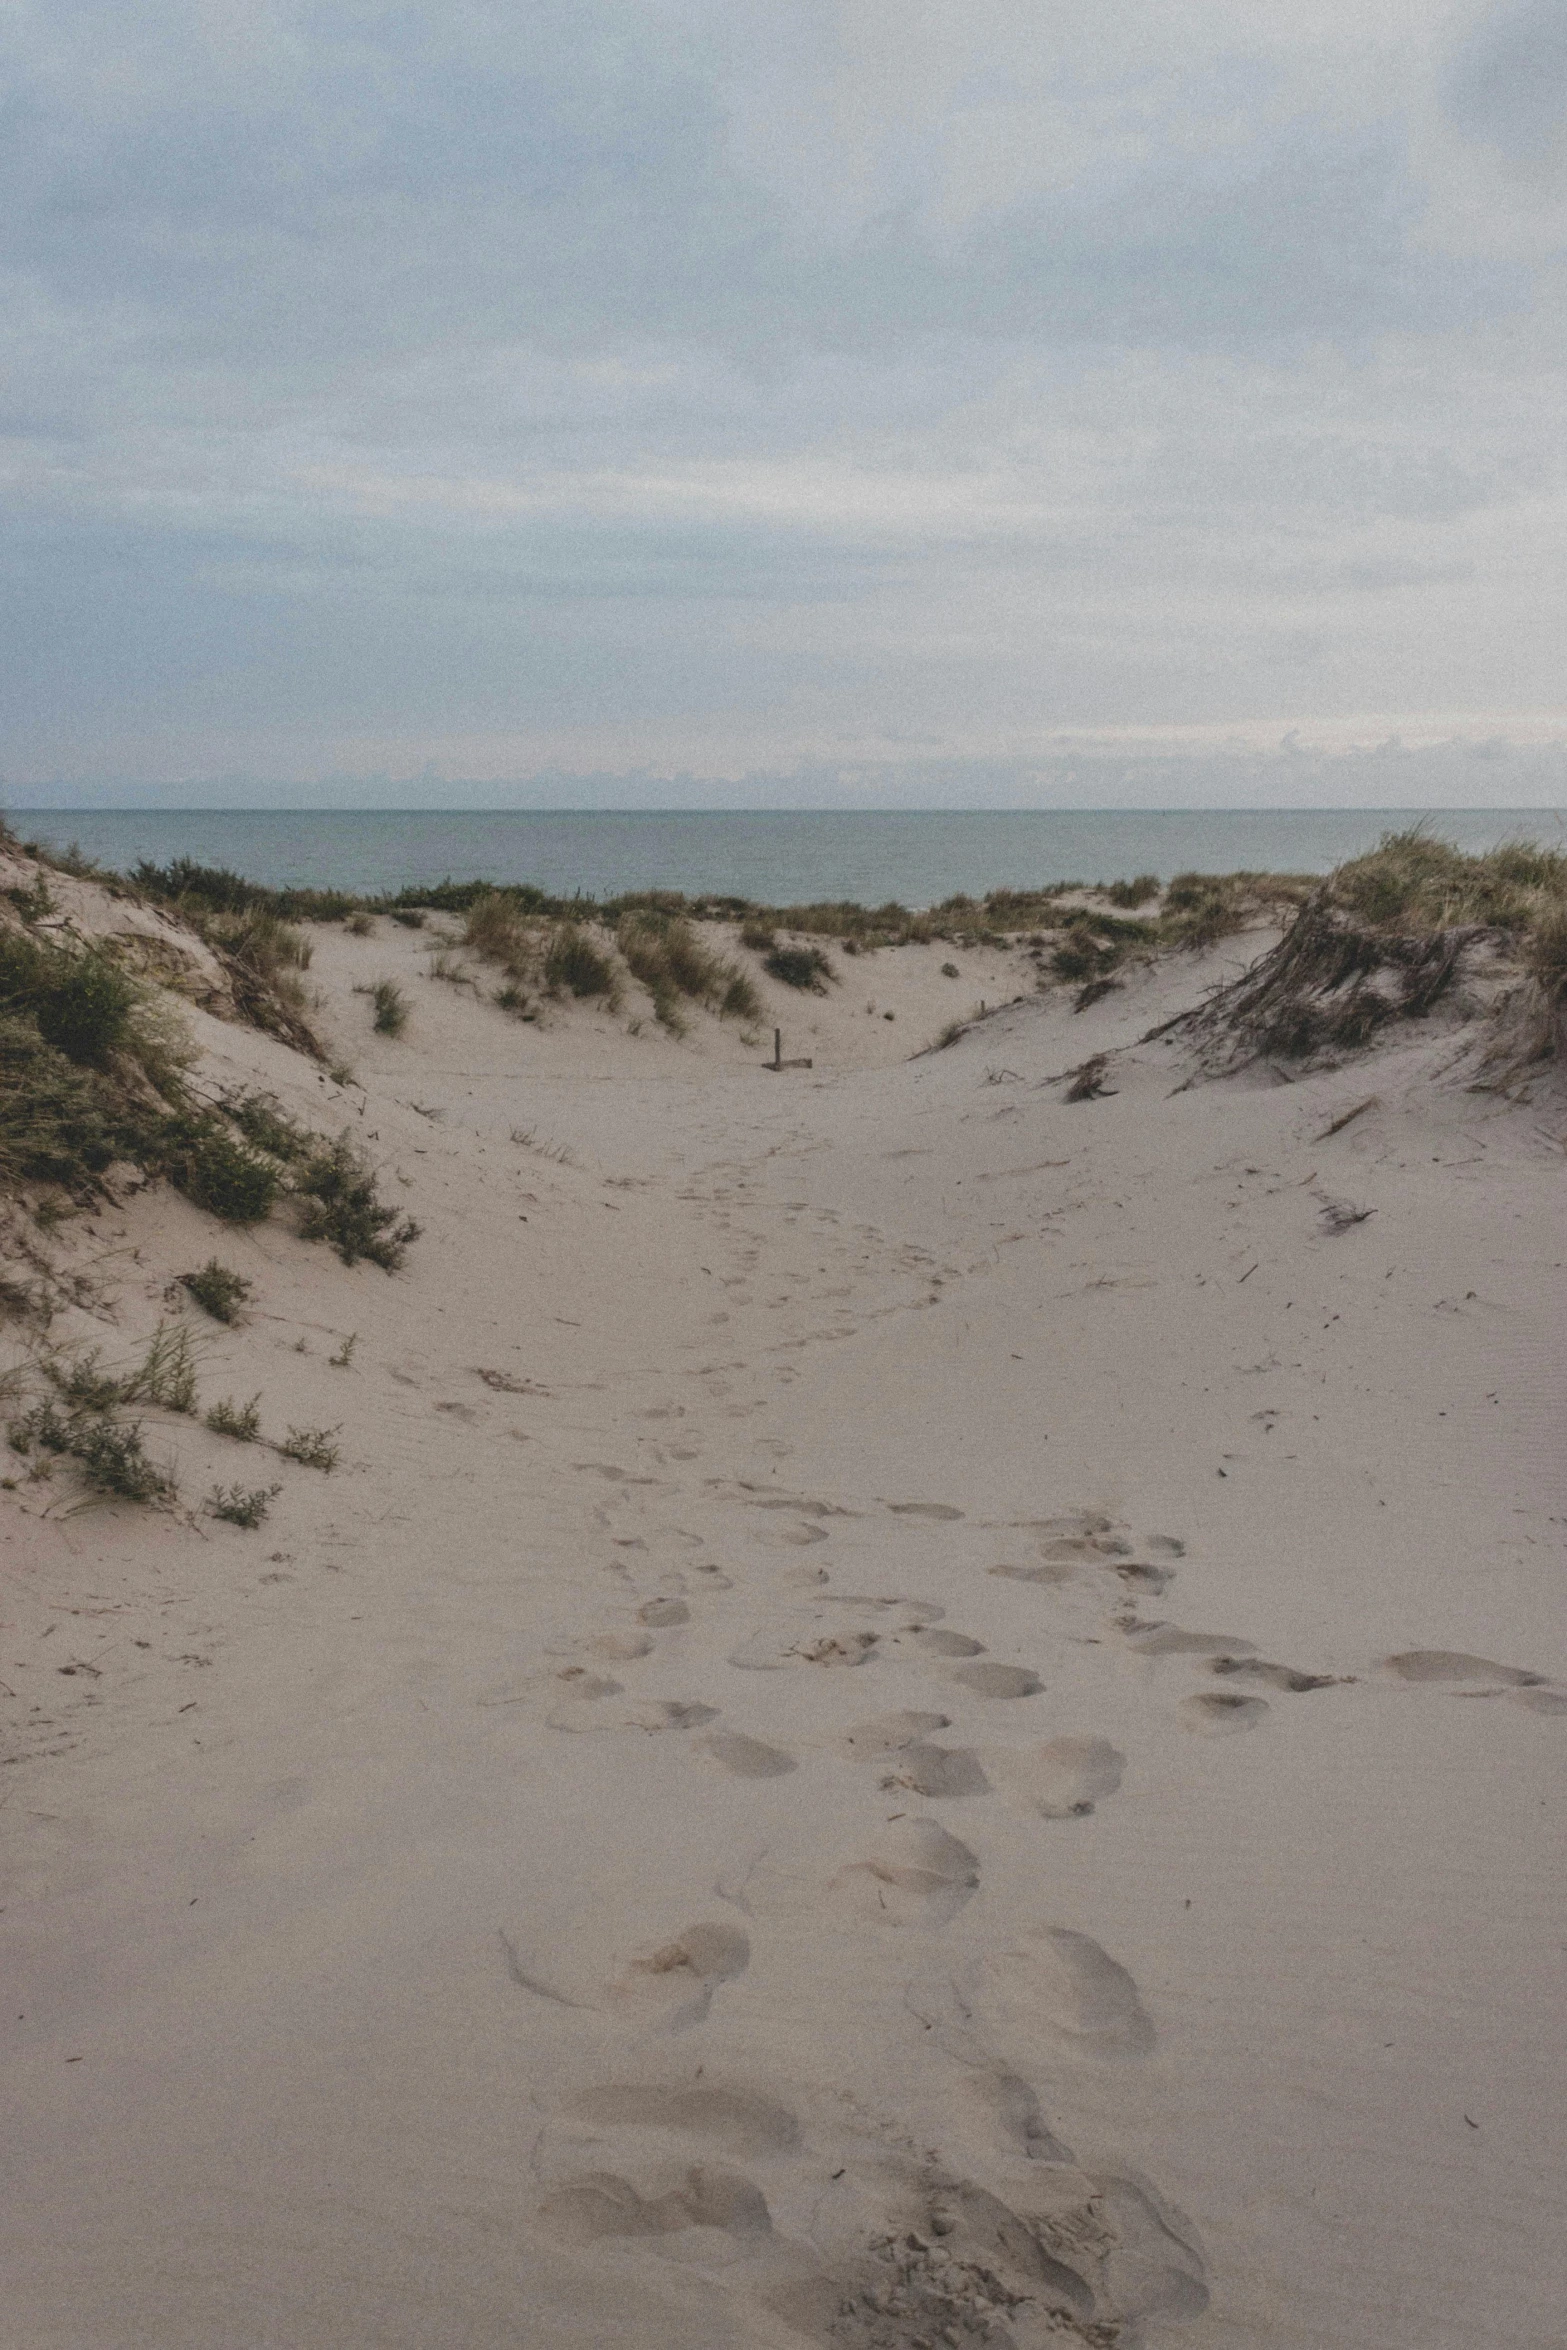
x: 936, y: 1513
x: 670, y: 1987
x: 662, y: 1612
x: 1062, y: 1779
x: 772, y: 1651
x: 1253, y: 1668
x: 1012, y: 2105
x: 1166, y: 1546
x: 1451, y: 1664
x: 918, y: 1875
x: 735, y: 2120
x: 992, y: 1680
x: 619, y: 1647
x: 602, y: 2203
x: 748, y: 1758
x: 1139, y: 1577
x: 886, y: 1734
x: 937, y: 1771
x: 1213, y: 1714
x: 1170, y: 1640
x: 944, y: 1643
x: 1065, y: 1983
x: 584, y: 1706
x: 1053, y: 1575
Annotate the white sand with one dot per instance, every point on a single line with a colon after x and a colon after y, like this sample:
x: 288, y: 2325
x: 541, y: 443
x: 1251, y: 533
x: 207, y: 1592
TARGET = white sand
x: 581, y: 1874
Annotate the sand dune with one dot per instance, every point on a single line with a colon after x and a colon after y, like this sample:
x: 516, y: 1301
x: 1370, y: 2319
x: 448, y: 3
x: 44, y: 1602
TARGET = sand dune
x: 916, y: 1712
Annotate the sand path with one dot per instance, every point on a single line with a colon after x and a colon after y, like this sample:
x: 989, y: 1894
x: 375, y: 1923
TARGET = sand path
x: 917, y: 1714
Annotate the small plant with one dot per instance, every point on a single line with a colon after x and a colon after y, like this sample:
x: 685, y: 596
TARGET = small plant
x: 167, y: 1375
x: 360, y: 925
x: 1134, y: 893
x: 218, y: 1291
x: 114, y: 1461
x: 573, y: 962
x: 451, y: 968
x: 84, y: 1387
x: 949, y: 971
x: 391, y: 1008
x: 409, y: 917
x: 758, y: 937
x: 227, y: 1180
x: 341, y: 1205
x: 740, y: 1000
x: 42, y: 1427
x: 803, y: 967
x: 516, y: 1000
x: 241, y: 1421
x: 949, y: 1035
x: 313, y: 1448
x: 238, y: 1505
x: 267, y: 1126
x: 344, y: 1356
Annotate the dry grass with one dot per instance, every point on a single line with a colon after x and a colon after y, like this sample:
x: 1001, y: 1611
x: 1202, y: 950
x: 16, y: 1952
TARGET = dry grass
x: 1384, y: 940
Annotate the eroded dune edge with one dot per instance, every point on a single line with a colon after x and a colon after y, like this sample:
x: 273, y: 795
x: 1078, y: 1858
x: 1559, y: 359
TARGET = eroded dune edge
x: 917, y: 1699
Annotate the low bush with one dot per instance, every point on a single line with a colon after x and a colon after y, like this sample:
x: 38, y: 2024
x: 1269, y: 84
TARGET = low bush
x: 572, y: 962
x: 241, y: 1421
x: 218, y: 1291
x: 1134, y: 893
x: 232, y: 1183
x: 238, y: 1505
x: 391, y: 1008
x: 312, y: 1447
x: 803, y: 967
x: 82, y: 1004
x: 340, y: 1204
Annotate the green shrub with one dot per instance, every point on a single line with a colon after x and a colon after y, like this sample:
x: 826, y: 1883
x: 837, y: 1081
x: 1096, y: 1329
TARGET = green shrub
x: 360, y: 925
x: 167, y: 1373
x: 341, y: 1205
x: 391, y: 1008
x: 240, y: 1506
x: 218, y: 1291
x: 58, y: 1124
x: 114, y: 1461
x: 223, y: 1177
x: 312, y: 1447
x: 82, y: 1004
x: 803, y: 967
x: 1134, y: 893
x: 241, y: 1421
x: 263, y: 1121
x: 574, y: 962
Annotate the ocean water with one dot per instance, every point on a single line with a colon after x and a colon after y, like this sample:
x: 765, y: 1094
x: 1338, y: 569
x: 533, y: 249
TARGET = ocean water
x: 779, y: 858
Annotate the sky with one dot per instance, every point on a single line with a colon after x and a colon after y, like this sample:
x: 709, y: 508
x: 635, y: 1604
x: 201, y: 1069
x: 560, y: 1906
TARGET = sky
x: 793, y: 401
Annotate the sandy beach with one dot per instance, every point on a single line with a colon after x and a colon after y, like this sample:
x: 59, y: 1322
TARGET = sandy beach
x: 916, y: 1712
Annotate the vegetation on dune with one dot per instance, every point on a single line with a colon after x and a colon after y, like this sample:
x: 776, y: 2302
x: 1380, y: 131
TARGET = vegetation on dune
x: 238, y: 1505
x: 253, y: 935
x: 218, y: 1291
x: 1386, y: 937
x: 802, y: 967
x: 391, y: 1008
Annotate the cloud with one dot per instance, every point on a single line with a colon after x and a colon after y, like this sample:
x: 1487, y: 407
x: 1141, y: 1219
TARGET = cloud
x: 653, y: 380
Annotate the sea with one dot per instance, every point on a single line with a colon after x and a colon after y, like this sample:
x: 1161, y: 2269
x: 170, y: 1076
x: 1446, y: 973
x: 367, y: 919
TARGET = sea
x: 778, y: 857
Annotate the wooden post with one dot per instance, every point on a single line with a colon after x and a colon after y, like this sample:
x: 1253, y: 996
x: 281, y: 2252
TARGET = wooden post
x: 777, y: 1048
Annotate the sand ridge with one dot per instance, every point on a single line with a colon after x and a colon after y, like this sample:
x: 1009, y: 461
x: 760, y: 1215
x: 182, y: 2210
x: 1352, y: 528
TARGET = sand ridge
x: 889, y: 1732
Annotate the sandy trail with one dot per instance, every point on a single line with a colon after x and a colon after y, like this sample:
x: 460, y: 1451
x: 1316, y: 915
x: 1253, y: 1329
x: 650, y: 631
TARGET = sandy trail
x: 917, y: 1714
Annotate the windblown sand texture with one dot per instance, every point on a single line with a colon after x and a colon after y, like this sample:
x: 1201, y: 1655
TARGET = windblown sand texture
x: 918, y: 1713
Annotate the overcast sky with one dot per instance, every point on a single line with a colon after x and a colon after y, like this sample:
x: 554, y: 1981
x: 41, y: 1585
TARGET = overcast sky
x: 480, y: 391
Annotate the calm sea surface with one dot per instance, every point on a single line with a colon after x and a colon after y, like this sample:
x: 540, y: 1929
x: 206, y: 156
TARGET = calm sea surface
x: 778, y: 858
